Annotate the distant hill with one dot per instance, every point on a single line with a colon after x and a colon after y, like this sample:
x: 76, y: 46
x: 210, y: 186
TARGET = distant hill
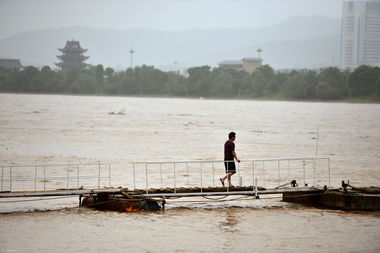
x: 297, y: 42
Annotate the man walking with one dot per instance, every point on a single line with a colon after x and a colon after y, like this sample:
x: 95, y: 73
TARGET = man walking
x: 229, y: 156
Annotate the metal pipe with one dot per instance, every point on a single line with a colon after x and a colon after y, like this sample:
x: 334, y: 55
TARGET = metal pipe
x: 278, y: 168
x: 175, y: 185
x: 314, y: 169
x: 99, y: 177
x: 109, y: 175
x: 256, y: 195
x: 10, y: 178
x: 240, y: 177
x: 161, y: 173
x: 44, y: 178
x: 201, y: 177
x: 289, y: 169
x: 227, y: 177
x: 2, y: 178
x: 328, y: 160
x: 315, y: 157
x: 213, y: 175
x: 146, y: 178
x: 303, y: 166
x: 246, y: 160
x: 78, y: 176
x: 35, y: 178
x: 265, y: 178
x: 68, y: 176
x: 134, y: 176
x: 253, y: 175
x: 188, y: 175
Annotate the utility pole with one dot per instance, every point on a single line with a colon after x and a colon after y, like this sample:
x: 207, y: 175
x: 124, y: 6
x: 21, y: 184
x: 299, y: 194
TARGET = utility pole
x: 131, y: 52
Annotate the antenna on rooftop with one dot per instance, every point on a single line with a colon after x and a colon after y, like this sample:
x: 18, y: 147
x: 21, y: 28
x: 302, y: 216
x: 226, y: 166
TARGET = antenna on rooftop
x: 131, y: 52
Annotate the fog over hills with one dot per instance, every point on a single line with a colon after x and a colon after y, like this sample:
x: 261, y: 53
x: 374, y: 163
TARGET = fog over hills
x: 295, y: 43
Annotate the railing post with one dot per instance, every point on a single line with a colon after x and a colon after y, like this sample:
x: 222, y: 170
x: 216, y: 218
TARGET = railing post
x: 68, y: 176
x: 227, y: 173
x: 303, y: 166
x: 134, y: 176
x: 314, y: 169
x: 264, y: 173
x: 44, y: 178
x: 328, y: 160
x: 278, y: 169
x: 188, y: 175
x: 253, y: 176
x: 109, y: 175
x: 35, y: 178
x: 175, y: 185
x: 78, y: 176
x: 256, y: 192
x: 201, y: 177
x: 99, y: 176
x: 10, y: 178
x: 2, y: 178
x: 213, y: 175
x: 146, y: 177
x: 161, y: 173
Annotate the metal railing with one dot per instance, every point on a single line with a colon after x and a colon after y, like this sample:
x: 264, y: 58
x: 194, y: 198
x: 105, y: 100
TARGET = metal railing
x: 202, y: 173
x: 54, y: 176
x: 269, y: 173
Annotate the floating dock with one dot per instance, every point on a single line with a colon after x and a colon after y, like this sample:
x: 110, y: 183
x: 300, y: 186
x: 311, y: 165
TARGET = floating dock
x: 147, y: 183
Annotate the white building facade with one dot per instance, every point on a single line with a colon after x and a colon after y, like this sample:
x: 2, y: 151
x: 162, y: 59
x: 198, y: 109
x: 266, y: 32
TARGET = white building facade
x: 360, y: 41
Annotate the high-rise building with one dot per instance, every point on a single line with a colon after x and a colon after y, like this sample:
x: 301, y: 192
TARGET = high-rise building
x: 360, y: 41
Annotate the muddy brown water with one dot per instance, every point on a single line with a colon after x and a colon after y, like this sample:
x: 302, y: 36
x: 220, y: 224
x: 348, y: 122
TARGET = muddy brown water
x: 55, y: 129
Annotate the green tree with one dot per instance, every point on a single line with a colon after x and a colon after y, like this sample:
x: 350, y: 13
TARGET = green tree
x: 199, y: 81
x: 363, y: 81
x: 336, y: 81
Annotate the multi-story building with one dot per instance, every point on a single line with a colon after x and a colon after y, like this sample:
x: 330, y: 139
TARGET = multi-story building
x: 11, y: 64
x: 360, y: 35
x: 72, y: 56
x: 246, y: 64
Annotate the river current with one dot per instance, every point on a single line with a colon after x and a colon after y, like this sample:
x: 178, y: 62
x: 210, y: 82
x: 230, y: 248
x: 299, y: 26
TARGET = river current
x: 59, y: 129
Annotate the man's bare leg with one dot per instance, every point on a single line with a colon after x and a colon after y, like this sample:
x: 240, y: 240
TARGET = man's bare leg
x: 229, y: 175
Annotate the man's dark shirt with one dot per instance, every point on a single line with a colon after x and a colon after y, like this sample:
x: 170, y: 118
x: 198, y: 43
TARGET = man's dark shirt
x: 229, y: 147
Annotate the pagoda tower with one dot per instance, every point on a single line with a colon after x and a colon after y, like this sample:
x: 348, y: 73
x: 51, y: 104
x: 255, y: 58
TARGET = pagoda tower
x: 72, y: 56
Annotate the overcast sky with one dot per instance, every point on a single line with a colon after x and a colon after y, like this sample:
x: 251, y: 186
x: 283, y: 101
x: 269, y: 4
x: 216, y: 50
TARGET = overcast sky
x: 25, y: 15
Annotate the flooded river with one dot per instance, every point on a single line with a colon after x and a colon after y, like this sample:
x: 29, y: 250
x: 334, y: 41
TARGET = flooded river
x: 58, y: 129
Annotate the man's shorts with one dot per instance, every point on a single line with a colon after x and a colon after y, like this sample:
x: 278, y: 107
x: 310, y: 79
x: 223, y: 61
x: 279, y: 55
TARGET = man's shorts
x: 230, y: 167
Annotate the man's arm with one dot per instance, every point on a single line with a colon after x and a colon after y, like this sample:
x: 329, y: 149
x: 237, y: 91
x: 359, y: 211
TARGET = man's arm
x: 234, y: 154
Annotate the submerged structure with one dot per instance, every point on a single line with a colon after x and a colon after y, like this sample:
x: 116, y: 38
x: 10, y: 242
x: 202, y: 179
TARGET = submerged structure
x: 72, y: 56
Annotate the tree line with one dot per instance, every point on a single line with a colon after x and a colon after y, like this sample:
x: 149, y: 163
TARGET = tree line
x: 329, y: 83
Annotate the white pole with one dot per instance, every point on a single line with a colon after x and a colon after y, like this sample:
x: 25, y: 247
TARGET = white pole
x: 146, y: 177
x: 134, y: 176
x: 256, y: 195
x: 316, y: 154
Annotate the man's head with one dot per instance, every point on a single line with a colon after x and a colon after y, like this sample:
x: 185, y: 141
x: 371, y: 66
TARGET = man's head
x: 232, y: 136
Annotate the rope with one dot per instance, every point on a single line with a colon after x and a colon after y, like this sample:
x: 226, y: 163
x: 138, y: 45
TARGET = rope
x: 211, y: 200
